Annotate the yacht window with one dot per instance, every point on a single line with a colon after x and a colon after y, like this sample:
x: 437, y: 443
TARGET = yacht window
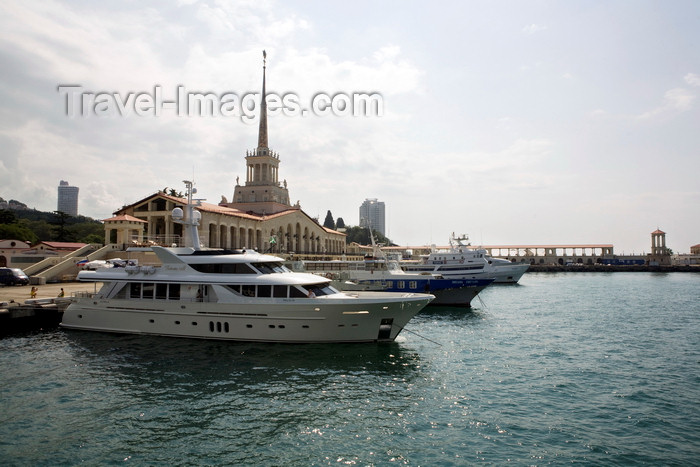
x: 296, y: 292
x: 264, y: 268
x: 319, y: 289
x: 279, y: 291
x: 148, y: 291
x: 236, y: 288
x: 174, y: 291
x: 224, y: 268
x: 413, y: 285
x: 248, y: 290
x: 135, y: 290
x: 161, y: 291
x: 122, y: 293
x: 264, y: 291
x: 270, y: 268
x: 328, y: 290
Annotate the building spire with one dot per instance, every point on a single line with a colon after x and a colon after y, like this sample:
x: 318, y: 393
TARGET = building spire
x: 262, y: 132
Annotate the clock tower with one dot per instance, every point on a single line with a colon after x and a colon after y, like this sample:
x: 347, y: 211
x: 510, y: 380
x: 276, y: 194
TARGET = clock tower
x: 262, y: 192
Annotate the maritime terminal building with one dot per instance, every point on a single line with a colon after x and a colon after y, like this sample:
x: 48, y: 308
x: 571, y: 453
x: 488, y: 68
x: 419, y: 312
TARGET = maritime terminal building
x: 259, y: 215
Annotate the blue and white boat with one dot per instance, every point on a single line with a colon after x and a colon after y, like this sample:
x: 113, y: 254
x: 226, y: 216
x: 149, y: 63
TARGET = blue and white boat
x: 386, y: 275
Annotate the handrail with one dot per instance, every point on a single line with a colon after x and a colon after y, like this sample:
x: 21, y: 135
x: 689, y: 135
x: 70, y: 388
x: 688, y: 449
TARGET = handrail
x: 46, y: 263
x: 68, y: 262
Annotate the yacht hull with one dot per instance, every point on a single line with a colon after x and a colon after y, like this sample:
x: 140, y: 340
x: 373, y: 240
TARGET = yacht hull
x: 507, y: 274
x: 366, y: 317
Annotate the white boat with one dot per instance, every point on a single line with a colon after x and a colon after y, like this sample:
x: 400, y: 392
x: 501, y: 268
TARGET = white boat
x: 382, y: 273
x: 462, y: 261
x: 233, y: 295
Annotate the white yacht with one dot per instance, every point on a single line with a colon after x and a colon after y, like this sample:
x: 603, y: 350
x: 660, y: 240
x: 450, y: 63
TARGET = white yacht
x: 462, y: 261
x: 233, y: 295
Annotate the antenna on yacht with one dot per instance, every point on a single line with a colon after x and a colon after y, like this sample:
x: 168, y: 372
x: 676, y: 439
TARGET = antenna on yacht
x: 376, y: 251
x: 189, y: 218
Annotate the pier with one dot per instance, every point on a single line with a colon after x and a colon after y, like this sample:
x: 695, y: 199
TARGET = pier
x: 611, y: 268
x: 20, y: 313
x: 17, y: 318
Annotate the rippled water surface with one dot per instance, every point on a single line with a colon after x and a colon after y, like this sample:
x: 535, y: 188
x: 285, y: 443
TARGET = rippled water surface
x: 582, y: 367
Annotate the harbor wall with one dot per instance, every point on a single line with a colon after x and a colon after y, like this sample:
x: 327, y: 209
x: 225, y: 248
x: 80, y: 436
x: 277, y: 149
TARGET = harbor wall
x: 611, y: 268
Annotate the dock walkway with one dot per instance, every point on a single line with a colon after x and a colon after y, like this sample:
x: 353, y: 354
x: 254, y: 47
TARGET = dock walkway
x: 21, y: 313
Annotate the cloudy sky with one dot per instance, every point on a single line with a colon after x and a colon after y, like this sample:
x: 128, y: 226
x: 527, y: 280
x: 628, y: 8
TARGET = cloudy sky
x: 516, y: 122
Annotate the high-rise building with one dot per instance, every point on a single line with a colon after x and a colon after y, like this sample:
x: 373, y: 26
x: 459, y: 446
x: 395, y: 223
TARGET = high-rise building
x: 68, y: 199
x: 372, y: 215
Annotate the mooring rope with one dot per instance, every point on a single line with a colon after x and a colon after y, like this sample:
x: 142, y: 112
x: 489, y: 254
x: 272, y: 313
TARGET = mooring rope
x: 483, y: 304
x: 422, y: 337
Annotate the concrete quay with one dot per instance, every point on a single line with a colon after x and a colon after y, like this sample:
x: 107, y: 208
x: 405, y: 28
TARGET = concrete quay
x: 20, y: 313
x: 610, y: 268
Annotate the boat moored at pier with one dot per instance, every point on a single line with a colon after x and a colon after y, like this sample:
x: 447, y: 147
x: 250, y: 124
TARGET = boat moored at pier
x: 387, y: 275
x: 462, y: 261
x: 234, y: 295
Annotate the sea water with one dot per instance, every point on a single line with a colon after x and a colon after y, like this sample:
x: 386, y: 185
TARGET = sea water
x: 587, y: 368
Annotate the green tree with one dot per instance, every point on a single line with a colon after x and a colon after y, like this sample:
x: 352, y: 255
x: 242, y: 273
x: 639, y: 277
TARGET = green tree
x: 7, y: 216
x: 87, y: 232
x: 42, y: 229
x: 60, y: 226
x: 340, y: 223
x: 17, y: 232
x: 329, y: 223
x: 361, y: 235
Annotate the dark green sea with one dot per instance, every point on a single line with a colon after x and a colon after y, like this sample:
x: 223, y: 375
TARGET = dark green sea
x: 584, y: 368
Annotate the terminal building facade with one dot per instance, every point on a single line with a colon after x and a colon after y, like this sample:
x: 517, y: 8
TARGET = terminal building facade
x: 259, y: 215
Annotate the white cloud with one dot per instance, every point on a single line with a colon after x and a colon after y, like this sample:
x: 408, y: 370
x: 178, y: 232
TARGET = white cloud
x: 533, y: 28
x: 675, y: 101
x: 679, y: 99
x: 692, y: 79
x: 135, y: 49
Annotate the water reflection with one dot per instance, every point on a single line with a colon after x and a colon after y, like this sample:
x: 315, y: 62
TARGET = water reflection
x: 164, y: 361
x: 460, y: 315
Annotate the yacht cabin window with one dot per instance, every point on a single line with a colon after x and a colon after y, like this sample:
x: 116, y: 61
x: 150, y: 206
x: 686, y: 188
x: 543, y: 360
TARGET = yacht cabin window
x: 270, y: 268
x: 149, y: 291
x: 224, y: 268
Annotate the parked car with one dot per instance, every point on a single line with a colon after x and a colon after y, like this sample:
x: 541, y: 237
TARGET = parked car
x: 13, y: 276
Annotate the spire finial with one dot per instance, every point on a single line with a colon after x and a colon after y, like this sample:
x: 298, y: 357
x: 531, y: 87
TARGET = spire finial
x: 262, y: 131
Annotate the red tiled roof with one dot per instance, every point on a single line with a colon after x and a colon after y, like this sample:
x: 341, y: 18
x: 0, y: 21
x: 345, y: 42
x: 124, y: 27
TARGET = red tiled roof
x: 124, y: 217
x: 218, y: 209
x: 63, y: 245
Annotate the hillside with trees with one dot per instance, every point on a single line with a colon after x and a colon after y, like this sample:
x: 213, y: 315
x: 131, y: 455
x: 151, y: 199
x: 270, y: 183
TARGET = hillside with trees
x: 18, y: 222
